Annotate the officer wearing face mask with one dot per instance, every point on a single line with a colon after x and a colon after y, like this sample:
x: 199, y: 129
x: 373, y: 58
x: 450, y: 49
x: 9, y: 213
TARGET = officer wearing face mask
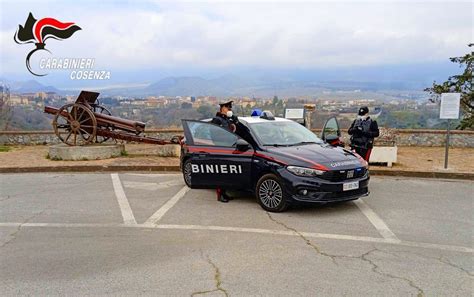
x: 363, y: 131
x: 227, y: 120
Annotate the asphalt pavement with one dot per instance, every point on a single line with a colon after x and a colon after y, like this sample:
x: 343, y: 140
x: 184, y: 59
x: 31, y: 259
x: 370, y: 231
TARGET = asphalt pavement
x: 128, y: 234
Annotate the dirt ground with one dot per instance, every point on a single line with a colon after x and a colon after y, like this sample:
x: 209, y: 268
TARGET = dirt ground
x: 35, y: 156
x: 409, y: 158
x: 432, y: 159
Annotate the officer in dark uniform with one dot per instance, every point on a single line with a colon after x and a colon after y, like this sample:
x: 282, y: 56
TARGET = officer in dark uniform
x: 225, y: 117
x: 227, y: 120
x: 363, y: 131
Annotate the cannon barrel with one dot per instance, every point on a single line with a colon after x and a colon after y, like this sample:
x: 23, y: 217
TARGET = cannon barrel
x: 104, y: 120
x: 81, y: 124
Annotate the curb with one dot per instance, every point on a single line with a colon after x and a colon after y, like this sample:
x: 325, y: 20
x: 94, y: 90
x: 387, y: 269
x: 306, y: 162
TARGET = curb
x: 90, y: 168
x: 423, y: 174
x: 174, y: 168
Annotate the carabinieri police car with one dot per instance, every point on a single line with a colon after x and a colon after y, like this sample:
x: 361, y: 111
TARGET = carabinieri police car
x: 279, y: 160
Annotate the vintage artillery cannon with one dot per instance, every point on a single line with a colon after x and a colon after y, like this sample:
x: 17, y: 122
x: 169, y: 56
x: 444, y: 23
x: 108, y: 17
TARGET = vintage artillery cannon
x: 86, y: 122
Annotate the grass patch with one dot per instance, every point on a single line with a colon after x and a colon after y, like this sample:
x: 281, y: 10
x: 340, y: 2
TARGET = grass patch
x: 48, y: 156
x: 4, y: 149
x: 124, y: 153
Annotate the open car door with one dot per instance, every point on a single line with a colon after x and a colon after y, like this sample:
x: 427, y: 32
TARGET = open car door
x: 215, y: 157
x: 331, y: 132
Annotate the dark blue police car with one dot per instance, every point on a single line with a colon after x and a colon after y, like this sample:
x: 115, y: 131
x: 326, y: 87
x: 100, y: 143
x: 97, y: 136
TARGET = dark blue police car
x: 279, y: 160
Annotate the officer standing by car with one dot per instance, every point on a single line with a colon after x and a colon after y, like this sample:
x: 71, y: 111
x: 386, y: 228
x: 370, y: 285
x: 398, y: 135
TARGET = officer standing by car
x: 225, y: 117
x: 363, y: 131
x: 227, y: 120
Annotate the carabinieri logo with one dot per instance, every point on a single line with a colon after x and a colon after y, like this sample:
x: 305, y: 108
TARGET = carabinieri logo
x: 38, y: 32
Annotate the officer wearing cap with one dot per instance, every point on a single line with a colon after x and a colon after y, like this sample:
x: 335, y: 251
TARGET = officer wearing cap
x: 227, y: 120
x: 363, y: 131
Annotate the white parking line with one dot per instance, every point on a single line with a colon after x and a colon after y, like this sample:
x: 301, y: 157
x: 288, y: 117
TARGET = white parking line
x: 380, y: 225
x: 125, y: 208
x: 154, y: 174
x: 167, y: 206
x: 152, y: 186
x: 444, y: 247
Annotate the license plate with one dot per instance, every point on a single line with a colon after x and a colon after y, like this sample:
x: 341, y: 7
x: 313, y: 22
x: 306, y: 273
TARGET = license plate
x: 350, y: 186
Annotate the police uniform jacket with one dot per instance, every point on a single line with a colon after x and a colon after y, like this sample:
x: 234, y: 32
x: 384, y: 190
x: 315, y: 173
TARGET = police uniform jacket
x: 363, y: 136
x: 223, y: 121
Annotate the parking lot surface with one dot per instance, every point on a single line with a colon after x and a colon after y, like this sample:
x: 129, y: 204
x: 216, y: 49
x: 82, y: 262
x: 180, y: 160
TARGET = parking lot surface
x: 148, y: 234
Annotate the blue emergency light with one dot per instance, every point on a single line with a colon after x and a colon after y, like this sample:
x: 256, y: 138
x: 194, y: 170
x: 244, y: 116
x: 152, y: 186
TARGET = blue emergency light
x: 256, y: 112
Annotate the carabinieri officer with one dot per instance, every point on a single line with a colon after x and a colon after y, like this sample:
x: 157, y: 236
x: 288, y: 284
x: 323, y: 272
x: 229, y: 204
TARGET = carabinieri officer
x: 363, y: 131
x: 227, y: 120
x: 225, y: 117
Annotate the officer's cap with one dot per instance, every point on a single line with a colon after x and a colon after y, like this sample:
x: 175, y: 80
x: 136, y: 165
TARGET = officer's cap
x: 363, y: 110
x: 226, y: 104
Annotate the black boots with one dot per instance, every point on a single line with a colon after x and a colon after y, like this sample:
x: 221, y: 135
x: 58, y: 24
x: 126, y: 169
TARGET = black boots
x: 222, y: 196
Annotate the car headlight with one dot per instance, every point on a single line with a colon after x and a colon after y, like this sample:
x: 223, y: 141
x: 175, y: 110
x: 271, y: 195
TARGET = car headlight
x: 304, y: 171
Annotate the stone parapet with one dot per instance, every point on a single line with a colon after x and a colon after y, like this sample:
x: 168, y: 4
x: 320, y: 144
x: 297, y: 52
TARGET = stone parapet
x: 402, y: 137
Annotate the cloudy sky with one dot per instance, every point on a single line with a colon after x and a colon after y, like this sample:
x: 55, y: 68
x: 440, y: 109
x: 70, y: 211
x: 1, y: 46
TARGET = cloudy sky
x: 150, y: 35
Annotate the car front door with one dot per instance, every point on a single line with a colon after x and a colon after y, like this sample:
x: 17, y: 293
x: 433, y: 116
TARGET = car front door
x: 331, y: 132
x: 218, y: 158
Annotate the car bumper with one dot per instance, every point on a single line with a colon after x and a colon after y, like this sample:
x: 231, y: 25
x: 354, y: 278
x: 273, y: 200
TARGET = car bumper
x: 321, y: 190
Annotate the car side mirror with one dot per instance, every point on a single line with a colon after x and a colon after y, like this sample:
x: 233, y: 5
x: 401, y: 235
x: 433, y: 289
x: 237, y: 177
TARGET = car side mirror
x: 242, y: 145
x: 331, y: 137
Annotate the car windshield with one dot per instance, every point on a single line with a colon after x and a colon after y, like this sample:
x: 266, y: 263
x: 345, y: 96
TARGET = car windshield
x: 285, y: 133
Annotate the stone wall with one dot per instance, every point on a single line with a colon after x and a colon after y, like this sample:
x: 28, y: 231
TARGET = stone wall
x: 431, y: 138
x: 401, y: 137
x: 422, y: 137
x: 27, y: 137
x: 48, y: 137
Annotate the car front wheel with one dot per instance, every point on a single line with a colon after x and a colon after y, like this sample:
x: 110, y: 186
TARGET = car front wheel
x: 270, y: 193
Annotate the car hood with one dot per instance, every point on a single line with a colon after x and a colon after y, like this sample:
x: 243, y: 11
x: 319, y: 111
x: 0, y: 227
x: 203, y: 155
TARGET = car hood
x: 309, y: 154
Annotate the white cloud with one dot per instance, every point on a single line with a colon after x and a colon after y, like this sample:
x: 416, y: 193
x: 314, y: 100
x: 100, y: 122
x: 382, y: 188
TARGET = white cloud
x: 215, y: 34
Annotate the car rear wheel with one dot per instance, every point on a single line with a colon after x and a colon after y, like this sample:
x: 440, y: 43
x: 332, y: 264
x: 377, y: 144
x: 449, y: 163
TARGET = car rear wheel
x: 270, y: 193
x: 187, y: 173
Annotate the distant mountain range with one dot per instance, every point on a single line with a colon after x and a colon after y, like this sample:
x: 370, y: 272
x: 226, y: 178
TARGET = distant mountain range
x: 222, y: 86
x: 268, y: 82
x: 30, y: 86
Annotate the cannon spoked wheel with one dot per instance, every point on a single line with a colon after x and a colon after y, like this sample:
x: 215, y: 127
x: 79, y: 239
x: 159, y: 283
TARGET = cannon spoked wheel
x: 103, y: 110
x: 75, y: 124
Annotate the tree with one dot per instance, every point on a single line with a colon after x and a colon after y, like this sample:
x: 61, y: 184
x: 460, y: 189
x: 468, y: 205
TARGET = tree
x: 186, y: 105
x: 461, y: 83
x: 206, y: 111
x: 275, y: 100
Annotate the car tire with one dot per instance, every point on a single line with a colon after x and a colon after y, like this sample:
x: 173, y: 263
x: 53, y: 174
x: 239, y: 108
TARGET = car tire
x: 187, y: 173
x: 270, y: 193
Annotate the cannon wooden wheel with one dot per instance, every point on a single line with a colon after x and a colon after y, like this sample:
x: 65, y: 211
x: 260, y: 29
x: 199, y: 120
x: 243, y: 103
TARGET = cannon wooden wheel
x: 75, y: 124
x: 97, y: 108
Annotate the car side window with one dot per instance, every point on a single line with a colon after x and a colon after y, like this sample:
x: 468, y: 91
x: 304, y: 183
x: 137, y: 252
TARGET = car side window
x: 212, y: 135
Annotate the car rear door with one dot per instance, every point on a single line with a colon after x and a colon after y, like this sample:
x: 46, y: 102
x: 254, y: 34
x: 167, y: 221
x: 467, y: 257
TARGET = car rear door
x: 215, y: 160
